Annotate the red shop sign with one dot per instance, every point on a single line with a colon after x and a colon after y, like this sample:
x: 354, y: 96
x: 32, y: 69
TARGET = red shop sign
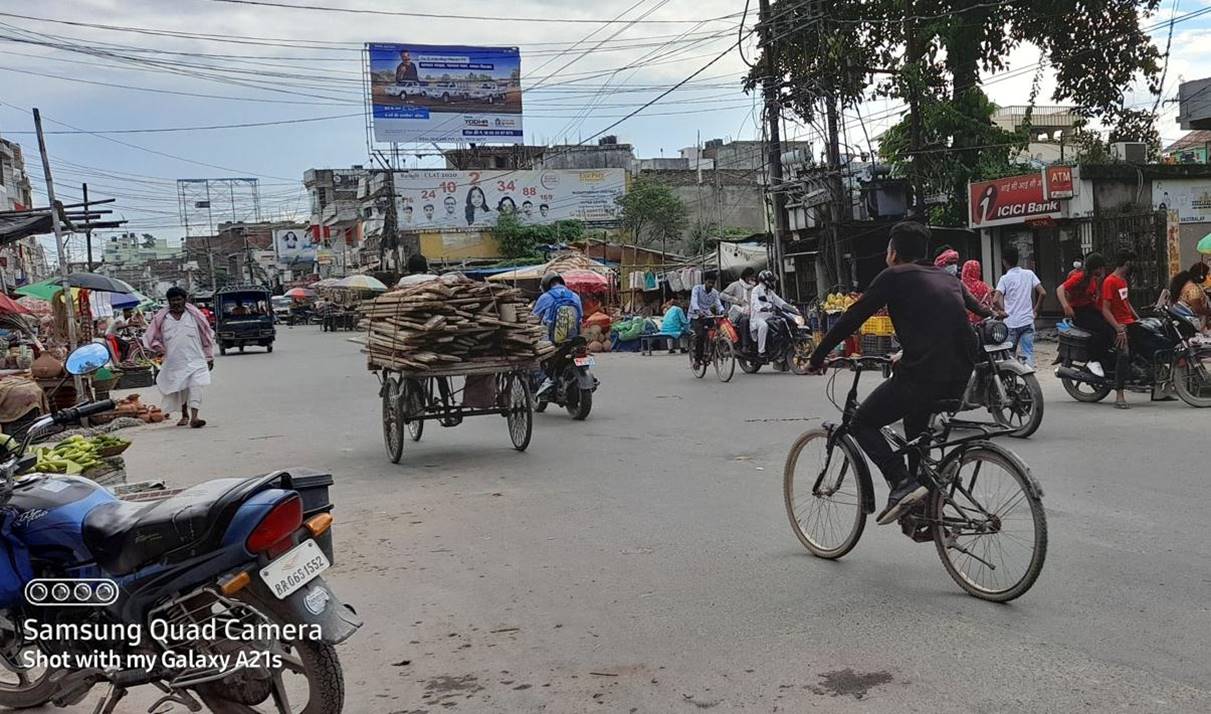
x: 1058, y: 182
x: 1008, y: 201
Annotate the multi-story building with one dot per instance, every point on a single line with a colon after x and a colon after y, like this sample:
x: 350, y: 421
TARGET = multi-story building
x: 337, y: 216
x: 148, y: 263
x: 23, y: 261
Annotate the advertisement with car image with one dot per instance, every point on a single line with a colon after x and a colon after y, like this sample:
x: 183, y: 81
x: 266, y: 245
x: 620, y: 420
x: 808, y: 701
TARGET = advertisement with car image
x: 444, y: 93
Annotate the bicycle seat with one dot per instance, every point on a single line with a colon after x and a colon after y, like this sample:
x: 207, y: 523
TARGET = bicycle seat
x: 946, y: 406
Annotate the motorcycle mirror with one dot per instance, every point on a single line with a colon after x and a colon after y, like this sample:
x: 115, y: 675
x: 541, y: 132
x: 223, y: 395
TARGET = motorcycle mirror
x: 87, y: 359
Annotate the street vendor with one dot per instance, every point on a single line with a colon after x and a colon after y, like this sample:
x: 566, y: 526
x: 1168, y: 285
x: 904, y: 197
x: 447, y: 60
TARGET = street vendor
x: 181, y: 333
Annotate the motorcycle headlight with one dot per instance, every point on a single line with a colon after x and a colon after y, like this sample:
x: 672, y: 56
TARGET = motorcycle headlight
x: 995, y: 332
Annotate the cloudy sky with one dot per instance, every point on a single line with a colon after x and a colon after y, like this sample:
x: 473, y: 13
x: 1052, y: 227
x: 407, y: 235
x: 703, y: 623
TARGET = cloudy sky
x: 105, y: 65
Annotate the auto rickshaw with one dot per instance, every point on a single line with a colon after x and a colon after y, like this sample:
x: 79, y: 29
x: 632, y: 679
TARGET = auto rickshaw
x: 245, y: 317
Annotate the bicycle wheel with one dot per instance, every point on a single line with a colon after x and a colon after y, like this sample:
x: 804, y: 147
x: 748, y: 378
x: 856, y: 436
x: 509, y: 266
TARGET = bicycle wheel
x: 725, y: 359
x: 520, y: 414
x: 393, y: 431
x: 699, y: 369
x: 414, y: 406
x: 824, y: 494
x: 989, y: 526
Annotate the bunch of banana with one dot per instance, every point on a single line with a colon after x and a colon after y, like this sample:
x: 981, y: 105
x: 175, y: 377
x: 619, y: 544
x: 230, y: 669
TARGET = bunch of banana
x: 72, y: 455
x: 838, y: 302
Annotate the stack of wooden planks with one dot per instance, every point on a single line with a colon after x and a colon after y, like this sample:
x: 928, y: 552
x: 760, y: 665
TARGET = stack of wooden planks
x: 454, y: 325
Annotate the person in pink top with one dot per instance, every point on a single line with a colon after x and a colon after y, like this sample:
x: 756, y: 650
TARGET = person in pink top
x: 181, y: 333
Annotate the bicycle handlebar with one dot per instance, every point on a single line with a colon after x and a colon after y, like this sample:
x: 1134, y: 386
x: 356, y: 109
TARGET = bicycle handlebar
x: 859, y: 361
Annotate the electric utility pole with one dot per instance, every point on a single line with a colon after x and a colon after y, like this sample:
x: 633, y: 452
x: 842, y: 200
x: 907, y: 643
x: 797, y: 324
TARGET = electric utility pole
x: 913, y: 68
x: 773, y: 113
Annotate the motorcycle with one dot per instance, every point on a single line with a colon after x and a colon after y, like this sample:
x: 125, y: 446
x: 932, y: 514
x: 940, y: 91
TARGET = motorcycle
x: 1169, y: 360
x: 213, y: 596
x: 787, y: 346
x: 574, y: 384
x: 1004, y: 385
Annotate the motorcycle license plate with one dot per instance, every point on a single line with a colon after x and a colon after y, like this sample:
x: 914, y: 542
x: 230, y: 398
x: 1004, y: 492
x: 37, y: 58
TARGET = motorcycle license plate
x: 295, y: 569
x: 584, y: 362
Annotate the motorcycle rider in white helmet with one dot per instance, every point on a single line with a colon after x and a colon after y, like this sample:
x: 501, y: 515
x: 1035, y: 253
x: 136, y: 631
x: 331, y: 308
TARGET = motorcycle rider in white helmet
x: 762, y: 302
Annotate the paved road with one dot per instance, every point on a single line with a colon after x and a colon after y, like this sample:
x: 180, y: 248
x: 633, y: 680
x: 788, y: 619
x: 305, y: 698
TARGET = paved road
x: 642, y: 561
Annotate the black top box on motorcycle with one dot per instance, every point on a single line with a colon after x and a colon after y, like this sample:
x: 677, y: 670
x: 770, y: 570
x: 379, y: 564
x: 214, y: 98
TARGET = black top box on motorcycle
x: 1074, y: 345
x: 313, y: 486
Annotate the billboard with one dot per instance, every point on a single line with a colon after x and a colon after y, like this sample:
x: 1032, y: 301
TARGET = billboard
x: 1191, y: 199
x: 1010, y: 200
x: 294, y: 246
x: 446, y: 201
x: 445, y: 93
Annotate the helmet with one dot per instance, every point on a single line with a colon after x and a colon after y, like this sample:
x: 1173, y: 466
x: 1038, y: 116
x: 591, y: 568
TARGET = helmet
x: 550, y: 279
x: 767, y: 277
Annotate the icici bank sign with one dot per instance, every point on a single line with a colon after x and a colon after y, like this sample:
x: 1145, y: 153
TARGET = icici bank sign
x: 1017, y: 199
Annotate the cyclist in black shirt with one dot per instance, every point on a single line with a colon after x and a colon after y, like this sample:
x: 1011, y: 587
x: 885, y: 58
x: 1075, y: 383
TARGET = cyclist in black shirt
x: 929, y: 310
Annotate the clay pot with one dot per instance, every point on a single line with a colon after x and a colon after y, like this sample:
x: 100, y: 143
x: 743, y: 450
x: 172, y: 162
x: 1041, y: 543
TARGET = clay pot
x: 47, y: 366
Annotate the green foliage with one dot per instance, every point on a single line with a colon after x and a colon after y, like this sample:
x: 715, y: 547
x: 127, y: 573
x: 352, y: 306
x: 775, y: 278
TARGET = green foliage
x: 652, y: 212
x: 858, y: 50
x: 518, y: 240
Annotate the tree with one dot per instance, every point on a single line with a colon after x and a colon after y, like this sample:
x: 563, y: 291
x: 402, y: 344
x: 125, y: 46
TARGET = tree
x: 857, y: 50
x: 652, y: 212
x: 521, y: 241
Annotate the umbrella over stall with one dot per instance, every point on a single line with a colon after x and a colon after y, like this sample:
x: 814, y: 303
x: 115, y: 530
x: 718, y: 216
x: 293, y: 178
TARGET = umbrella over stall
x: 362, y: 282
x: 9, y: 306
x: 300, y: 293
x: 1204, y: 245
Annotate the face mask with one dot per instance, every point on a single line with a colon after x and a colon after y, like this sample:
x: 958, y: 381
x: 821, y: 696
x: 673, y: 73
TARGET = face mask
x: 953, y: 269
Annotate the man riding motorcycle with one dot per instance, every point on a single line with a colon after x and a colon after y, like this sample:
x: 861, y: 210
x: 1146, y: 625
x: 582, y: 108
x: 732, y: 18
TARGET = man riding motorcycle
x: 762, y: 302
x: 560, y: 310
x: 929, y: 308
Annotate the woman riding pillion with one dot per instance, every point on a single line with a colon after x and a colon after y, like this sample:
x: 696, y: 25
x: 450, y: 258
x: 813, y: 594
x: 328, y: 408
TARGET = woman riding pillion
x: 560, y: 311
x: 929, y: 308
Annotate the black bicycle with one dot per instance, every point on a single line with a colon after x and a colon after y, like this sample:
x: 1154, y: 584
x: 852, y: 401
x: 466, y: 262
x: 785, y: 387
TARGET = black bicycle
x: 984, y: 513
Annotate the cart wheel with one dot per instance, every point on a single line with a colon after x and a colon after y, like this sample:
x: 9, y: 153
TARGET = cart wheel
x: 393, y: 430
x: 414, y: 405
x: 521, y: 411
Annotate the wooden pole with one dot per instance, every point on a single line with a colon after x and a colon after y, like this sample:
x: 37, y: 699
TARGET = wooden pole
x: 59, y: 245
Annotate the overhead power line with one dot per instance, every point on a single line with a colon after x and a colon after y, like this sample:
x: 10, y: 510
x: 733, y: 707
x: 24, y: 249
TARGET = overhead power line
x: 448, y: 16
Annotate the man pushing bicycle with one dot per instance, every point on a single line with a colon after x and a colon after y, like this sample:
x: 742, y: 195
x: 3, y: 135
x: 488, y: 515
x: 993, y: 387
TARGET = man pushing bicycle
x: 929, y: 309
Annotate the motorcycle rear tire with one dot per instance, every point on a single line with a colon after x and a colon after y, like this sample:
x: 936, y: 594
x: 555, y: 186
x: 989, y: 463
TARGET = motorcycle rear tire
x: 583, y: 404
x: 1097, y: 394
x: 1181, y: 386
x: 325, y: 680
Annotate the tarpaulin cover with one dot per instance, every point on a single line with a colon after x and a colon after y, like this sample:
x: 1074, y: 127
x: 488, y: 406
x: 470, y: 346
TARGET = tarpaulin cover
x: 735, y: 257
x: 14, y: 228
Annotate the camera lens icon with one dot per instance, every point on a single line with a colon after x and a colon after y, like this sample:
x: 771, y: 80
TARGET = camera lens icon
x: 38, y: 592
x: 71, y: 592
x: 106, y: 592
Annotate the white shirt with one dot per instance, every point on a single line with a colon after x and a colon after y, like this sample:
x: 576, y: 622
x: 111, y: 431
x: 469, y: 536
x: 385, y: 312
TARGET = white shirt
x: 760, y: 300
x: 184, y: 361
x: 1018, y: 288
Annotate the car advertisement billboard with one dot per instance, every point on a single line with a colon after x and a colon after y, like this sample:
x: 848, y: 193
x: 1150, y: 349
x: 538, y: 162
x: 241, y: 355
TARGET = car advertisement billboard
x: 1010, y: 200
x: 445, y: 93
x: 472, y: 200
x: 294, y: 246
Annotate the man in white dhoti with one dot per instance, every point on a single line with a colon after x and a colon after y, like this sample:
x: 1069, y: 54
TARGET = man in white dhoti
x: 182, y: 334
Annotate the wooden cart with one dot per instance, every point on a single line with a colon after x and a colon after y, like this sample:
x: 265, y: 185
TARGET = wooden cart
x: 410, y: 398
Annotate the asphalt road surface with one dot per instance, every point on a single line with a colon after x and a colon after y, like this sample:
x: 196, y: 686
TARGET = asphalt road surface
x: 642, y: 561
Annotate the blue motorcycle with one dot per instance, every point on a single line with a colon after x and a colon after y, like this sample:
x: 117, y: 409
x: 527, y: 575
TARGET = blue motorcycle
x: 214, y: 596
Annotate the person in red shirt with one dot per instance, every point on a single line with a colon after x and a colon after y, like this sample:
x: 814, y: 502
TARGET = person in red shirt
x: 1081, y: 297
x: 1116, y: 308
